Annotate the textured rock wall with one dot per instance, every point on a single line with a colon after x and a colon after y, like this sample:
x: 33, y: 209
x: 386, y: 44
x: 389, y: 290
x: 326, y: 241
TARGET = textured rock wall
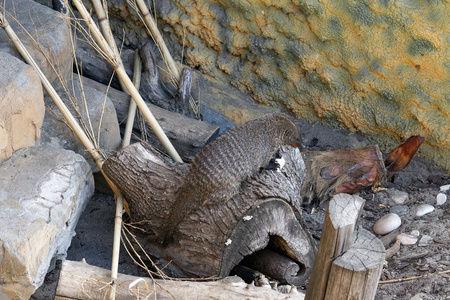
x: 378, y: 67
x: 21, y: 105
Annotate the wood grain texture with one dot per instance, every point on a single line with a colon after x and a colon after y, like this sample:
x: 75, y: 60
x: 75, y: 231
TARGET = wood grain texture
x: 214, y: 238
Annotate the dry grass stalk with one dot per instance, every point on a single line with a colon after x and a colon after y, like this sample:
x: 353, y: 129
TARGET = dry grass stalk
x: 128, y: 83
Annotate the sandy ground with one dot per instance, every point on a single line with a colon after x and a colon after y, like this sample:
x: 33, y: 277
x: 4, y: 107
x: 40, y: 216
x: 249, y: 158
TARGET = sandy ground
x: 421, y: 180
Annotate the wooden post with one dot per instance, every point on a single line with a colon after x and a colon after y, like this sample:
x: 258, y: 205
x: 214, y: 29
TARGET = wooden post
x: 348, y: 265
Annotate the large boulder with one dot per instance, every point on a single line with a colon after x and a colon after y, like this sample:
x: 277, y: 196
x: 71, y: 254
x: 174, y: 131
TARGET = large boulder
x: 22, y: 105
x: 377, y: 67
x: 96, y: 114
x: 46, y: 35
x: 43, y: 191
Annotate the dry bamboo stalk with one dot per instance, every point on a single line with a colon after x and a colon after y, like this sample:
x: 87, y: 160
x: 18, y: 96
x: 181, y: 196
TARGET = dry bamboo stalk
x: 120, y: 200
x: 106, y: 30
x: 157, y: 37
x: 128, y: 83
x: 132, y: 109
x: 107, y: 33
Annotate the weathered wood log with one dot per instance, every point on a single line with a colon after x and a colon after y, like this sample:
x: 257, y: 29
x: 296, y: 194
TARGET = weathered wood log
x: 280, y: 267
x: 348, y: 265
x: 79, y: 280
x: 187, y: 135
x: 212, y: 240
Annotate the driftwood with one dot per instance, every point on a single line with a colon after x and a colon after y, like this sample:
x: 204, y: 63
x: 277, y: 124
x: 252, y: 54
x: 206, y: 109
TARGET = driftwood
x: 79, y: 280
x: 348, y: 264
x: 187, y: 135
x: 213, y: 239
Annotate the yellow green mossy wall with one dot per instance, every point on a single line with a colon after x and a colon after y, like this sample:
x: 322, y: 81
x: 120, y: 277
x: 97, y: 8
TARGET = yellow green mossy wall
x: 379, y: 67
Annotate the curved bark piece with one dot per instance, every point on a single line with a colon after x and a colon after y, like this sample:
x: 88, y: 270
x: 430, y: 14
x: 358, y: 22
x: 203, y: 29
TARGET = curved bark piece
x: 341, y: 171
x: 151, y: 89
x: 184, y: 93
x: 400, y: 157
x: 215, y: 238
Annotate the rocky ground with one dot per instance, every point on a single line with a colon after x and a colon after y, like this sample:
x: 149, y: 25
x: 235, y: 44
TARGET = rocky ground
x: 418, y: 265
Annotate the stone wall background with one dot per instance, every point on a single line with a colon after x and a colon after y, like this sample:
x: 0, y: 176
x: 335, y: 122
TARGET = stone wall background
x: 378, y: 67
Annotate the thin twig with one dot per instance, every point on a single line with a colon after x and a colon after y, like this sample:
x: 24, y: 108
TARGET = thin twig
x: 413, y: 277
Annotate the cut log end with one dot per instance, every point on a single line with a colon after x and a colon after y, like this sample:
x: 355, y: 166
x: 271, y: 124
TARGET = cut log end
x: 212, y: 240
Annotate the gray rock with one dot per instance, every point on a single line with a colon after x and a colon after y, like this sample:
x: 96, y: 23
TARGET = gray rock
x: 103, y: 124
x: 398, y: 197
x: 53, y: 50
x: 425, y: 241
x: 43, y: 191
x: 22, y: 105
x: 400, y: 210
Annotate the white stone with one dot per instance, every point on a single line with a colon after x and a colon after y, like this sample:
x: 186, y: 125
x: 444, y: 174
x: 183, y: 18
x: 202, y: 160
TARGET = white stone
x: 445, y: 188
x: 387, y: 224
x: 441, y: 198
x: 407, y: 239
x: 415, y: 233
x: 43, y: 191
x: 398, y: 197
x: 424, y: 209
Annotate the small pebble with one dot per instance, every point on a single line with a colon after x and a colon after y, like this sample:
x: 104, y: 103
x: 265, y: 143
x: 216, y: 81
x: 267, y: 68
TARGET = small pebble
x: 406, y: 239
x: 263, y: 282
x: 441, y: 198
x: 445, y: 188
x: 398, y: 197
x: 400, y: 210
x: 424, y: 209
x: 425, y: 241
x: 415, y: 233
x: 285, y: 289
x: 387, y: 224
x: 392, y: 250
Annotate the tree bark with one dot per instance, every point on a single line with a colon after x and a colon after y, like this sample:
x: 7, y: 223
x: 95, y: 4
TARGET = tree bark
x: 212, y: 240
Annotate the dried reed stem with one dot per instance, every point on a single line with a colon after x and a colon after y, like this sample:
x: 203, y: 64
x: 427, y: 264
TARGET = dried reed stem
x: 128, y: 83
x: 157, y: 37
x: 120, y: 200
x: 107, y: 33
x: 132, y: 108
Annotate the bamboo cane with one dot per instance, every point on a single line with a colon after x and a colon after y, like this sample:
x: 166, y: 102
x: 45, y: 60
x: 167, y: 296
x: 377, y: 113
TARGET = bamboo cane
x: 120, y: 200
x: 107, y: 34
x: 128, y: 83
x: 132, y: 107
x: 157, y: 37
